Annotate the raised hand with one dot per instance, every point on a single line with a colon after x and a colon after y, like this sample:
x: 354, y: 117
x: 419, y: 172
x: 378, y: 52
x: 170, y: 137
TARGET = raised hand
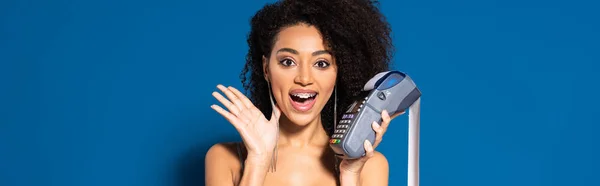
x: 258, y: 133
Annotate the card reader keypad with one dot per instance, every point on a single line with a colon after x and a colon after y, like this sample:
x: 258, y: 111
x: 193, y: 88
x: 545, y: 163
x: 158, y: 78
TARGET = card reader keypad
x: 344, y: 124
x: 342, y: 127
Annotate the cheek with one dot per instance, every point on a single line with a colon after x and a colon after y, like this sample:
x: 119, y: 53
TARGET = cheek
x: 328, y: 84
x: 329, y: 80
x: 280, y: 84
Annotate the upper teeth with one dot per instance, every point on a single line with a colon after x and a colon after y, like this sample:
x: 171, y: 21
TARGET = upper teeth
x: 304, y: 95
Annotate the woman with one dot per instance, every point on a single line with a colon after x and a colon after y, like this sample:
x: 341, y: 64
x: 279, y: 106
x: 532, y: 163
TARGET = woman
x: 303, y: 54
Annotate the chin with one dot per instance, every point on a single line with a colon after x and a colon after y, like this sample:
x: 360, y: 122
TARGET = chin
x: 301, y: 119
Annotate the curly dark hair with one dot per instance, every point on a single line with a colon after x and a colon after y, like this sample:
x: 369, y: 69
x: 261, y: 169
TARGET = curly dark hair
x: 355, y: 31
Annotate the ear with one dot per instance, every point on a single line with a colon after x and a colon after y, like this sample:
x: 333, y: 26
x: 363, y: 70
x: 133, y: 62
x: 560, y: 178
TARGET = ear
x: 265, y: 64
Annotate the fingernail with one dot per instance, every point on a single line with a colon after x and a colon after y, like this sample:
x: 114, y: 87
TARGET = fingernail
x: 376, y: 125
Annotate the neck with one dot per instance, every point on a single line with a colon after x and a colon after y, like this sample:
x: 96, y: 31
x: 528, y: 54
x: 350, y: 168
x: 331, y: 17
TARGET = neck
x: 301, y: 136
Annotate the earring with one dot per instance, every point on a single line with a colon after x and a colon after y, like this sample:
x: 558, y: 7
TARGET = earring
x: 336, y: 159
x: 273, y: 167
x: 335, y: 107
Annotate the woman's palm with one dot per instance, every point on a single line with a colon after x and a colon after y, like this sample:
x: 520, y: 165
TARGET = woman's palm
x: 258, y: 133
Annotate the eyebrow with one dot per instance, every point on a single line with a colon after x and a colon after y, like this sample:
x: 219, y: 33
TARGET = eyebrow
x: 316, y: 53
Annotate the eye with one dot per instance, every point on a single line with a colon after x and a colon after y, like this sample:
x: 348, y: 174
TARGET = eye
x: 322, y: 64
x: 286, y: 62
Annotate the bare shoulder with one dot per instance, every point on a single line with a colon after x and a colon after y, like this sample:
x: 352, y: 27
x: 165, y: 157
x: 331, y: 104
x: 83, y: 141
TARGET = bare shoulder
x: 378, y: 161
x: 225, y: 153
x: 221, y: 163
x: 376, y: 170
x: 222, y: 150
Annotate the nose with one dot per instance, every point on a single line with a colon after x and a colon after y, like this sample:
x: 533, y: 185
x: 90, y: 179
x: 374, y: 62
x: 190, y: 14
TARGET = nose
x: 304, y: 76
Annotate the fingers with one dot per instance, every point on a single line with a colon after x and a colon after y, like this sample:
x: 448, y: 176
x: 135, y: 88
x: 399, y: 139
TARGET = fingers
x: 245, y: 103
x: 230, y: 106
x: 230, y: 117
x: 236, y: 101
x: 235, y: 105
x: 398, y: 114
x: 386, y: 119
x: 369, y: 150
x: 379, y: 131
x: 242, y: 97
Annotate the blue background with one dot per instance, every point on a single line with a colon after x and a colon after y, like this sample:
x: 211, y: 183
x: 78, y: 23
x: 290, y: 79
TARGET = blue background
x: 118, y: 92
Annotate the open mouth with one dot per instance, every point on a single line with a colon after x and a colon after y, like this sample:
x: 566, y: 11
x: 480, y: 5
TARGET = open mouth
x: 303, y: 101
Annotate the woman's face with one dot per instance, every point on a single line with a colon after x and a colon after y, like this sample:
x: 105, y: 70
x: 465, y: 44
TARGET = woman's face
x: 302, y: 73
